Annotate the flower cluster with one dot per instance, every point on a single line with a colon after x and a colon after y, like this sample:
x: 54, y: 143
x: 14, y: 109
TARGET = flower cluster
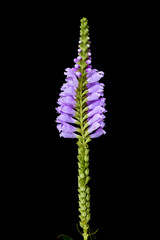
x: 81, y: 96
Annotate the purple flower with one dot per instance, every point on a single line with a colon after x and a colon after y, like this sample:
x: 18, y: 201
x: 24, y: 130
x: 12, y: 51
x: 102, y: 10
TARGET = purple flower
x: 65, y: 118
x: 97, y: 109
x: 96, y: 88
x: 99, y: 102
x: 68, y: 100
x: 95, y: 118
x: 88, y: 61
x: 65, y: 127
x: 94, y: 96
x: 68, y: 123
x: 95, y: 77
x: 78, y: 74
x: 88, y: 70
x: 66, y: 109
x: 68, y: 135
x: 98, y: 133
x: 93, y: 127
x: 77, y: 66
x: 76, y: 60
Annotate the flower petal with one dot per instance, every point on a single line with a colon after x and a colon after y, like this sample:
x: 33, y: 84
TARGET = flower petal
x: 72, y: 82
x: 95, y: 77
x: 68, y: 127
x: 91, y: 73
x: 65, y: 118
x: 97, y: 109
x: 66, y: 109
x: 68, y: 135
x: 99, y: 102
x: 94, y: 96
x: 93, y: 127
x: 67, y: 85
x: 59, y: 127
x: 98, y: 133
x: 70, y: 73
x: 96, y: 118
x: 96, y: 88
x: 67, y: 100
x: 68, y: 91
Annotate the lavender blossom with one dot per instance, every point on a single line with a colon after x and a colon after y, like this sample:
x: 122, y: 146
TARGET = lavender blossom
x: 81, y: 73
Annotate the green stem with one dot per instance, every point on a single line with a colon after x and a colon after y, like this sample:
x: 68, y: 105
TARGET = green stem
x: 85, y: 236
x: 83, y: 138
x: 83, y: 188
x: 83, y: 168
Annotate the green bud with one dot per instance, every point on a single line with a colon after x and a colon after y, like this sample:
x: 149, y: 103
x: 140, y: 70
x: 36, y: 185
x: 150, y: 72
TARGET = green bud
x: 82, y: 198
x: 83, y: 194
x: 86, y: 158
x: 82, y: 175
x: 84, y: 214
x: 80, y: 151
x: 83, y: 207
x: 85, y: 226
x: 88, y: 210
x: 85, y: 24
x: 79, y: 157
x: 82, y: 181
x: 86, y: 151
x: 88, y: 204
x: 88, y: 190
x: 82, y: 188
x: 88, y: 217
x: 80, y: 217
x: 80, y: 210
x: 83, y: 201
x: 87, y: 171
x: 81, y: 224
x: 88, y: 197
x: 86, y: 164
x: 87, y: 179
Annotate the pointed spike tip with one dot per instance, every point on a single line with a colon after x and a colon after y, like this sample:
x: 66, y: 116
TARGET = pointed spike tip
x: 84, y: 19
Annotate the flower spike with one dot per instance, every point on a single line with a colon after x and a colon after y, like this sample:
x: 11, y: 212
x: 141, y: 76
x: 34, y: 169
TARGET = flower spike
x: 81, y: 115
x: 82, y: 89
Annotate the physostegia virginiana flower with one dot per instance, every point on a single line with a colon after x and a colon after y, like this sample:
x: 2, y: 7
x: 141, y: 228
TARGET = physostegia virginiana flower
x: 81, y: 115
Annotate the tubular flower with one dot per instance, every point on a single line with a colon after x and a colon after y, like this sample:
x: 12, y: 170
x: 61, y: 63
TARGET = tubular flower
x: 82, y: 94
x: 81, y: 115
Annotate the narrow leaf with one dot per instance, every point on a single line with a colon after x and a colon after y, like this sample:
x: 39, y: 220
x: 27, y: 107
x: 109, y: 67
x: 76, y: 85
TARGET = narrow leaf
x: 85, y: 92
x: 88, y: 140
x: 65, y: 237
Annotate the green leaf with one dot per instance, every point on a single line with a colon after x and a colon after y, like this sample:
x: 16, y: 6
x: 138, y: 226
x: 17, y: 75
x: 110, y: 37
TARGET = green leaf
x: 87, y: 180
x: 88, y: 140
x: 85, y: 117
x: 85, y: 92
x: 84, y: 83
x: 79, y: 130
x: 84, y: 101
x: 65, y: 237
x: 85, y: 109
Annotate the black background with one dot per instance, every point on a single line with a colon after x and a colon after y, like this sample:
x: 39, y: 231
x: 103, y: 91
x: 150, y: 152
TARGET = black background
x: 44, y: 43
